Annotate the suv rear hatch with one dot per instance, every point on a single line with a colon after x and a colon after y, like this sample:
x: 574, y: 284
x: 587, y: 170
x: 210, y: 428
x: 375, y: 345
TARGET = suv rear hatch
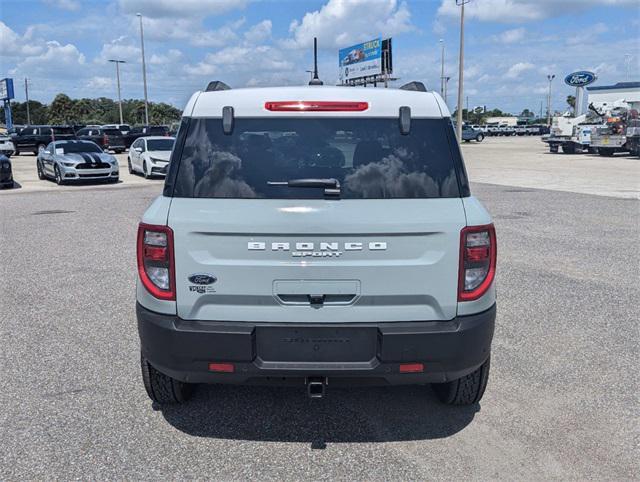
x: 385, y: 249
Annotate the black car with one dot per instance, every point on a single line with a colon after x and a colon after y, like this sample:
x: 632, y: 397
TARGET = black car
x: 35, y: 138
x: 6, y: 174
x: 142, y: 131
x: 108, y: 139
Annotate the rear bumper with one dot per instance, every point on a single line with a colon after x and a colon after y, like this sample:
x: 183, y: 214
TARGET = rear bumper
x: 352, y: 353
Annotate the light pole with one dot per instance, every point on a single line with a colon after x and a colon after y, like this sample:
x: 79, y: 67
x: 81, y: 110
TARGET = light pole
x: 460, y: 70
x: 446, y: 81
x: 144, y: 73
x: 442, y: 68
x: 118, y: 62
x: 550, y: 77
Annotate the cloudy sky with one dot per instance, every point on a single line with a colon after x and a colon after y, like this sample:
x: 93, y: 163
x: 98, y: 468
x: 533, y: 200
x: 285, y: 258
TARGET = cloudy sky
x: 64, y: 45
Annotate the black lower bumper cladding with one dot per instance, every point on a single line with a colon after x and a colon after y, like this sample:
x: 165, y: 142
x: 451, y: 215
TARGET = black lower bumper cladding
x: 371, y: 353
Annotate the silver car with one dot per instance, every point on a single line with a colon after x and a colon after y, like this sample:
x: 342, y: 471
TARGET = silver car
x: 65, y: 161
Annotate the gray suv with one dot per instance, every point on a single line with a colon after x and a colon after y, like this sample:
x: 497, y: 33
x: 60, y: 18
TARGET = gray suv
x: 319, y: 236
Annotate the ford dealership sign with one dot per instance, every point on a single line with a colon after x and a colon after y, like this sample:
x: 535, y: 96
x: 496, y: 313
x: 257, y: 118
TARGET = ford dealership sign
x: 580, y: 79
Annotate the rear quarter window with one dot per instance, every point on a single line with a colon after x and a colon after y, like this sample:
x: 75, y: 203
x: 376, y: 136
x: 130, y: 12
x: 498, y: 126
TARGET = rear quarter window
x: 369, y: 157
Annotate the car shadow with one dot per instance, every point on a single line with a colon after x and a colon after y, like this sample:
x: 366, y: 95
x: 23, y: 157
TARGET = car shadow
x: 344, y: 415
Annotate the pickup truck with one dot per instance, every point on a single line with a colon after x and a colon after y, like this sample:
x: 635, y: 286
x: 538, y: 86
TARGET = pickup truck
x: 143, y: 131
x: 36, y: 138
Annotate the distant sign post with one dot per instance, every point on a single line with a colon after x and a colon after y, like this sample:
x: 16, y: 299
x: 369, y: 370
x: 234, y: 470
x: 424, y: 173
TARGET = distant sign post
x: 365, y: 62
x: 6, y: 94
x: 580, y: 80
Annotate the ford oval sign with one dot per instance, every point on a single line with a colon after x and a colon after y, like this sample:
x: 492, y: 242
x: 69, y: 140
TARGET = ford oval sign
x: 580, y: 79
x: 202, y: 279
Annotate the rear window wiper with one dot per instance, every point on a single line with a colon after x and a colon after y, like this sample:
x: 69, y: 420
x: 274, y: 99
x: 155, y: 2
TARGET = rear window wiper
x: 331, y: 186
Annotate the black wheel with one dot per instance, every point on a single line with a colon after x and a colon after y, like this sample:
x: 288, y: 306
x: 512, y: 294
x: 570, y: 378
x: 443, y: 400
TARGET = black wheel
x: 16, y: 152
x: 553, y: 148
x: 479, y: 138
x: 58, y: 176
x: 129, y: 165
x: 606, y: 151
x: 40, y: 148
x: 569, y: 148
x: 162, y: 388
x: 144, y: 170
x: 466, y: 390
x: 41, y: 175
x: 118, y: 151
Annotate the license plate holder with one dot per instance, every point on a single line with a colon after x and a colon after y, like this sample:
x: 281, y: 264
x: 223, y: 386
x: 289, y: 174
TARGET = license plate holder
x: 316, y: 344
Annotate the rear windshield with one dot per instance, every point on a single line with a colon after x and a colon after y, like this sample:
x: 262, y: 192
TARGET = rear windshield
x: 159, y: 144
x: 74, y: 147
x: 63, y: 130
x: 370, y: 158
x: 112, y: 132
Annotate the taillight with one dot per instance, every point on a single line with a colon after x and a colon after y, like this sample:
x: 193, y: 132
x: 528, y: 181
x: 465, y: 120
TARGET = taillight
x: 155, y: 260
x: 477, y: 261
x: 315, y: 106
x: 105, y: 139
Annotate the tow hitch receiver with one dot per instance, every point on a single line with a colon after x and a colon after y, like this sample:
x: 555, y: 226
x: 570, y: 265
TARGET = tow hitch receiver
x: 316, y: 386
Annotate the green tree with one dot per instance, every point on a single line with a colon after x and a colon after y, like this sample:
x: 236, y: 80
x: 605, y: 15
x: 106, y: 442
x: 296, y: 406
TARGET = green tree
x: 38, y: 112
x: 61, y: 110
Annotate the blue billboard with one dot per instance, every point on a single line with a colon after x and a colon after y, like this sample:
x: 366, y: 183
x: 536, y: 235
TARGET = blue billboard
x: 360, y: 60
x: 6, y: 89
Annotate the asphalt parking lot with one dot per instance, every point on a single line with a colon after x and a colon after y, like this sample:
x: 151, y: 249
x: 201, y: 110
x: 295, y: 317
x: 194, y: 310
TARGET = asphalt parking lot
x: 562, y: 401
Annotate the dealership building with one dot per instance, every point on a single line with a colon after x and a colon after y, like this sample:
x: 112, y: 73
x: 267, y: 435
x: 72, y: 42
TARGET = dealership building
x: 627, y: 91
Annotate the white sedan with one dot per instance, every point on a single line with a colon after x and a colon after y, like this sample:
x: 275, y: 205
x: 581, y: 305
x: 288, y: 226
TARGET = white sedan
x: 149, y: 156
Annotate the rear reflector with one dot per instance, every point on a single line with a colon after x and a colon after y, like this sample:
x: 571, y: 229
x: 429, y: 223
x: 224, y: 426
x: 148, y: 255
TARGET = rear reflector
x: 221, y: 367
x: 411, y: 368
x: 315, y: 106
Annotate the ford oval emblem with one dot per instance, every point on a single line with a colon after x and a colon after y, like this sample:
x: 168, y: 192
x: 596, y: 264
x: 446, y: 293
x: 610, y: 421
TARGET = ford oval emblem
x: 580, y: 79
x: 202, y: 279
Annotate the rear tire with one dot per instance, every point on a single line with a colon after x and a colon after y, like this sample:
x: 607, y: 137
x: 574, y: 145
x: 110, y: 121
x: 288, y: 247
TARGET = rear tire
x: 606, y: 151
x: 479, y: 138
x: 162, y: 388
x: 569, y: 148
x: 129, y: 166
x: 553, y: 149
x: 144, y: 170
x: 466, y: 390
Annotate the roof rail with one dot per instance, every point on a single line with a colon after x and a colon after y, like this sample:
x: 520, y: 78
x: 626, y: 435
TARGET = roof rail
x: 216, y: 85
x: 415, y: 85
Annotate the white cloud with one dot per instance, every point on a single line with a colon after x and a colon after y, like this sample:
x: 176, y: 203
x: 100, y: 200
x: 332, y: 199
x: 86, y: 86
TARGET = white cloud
x: 514, y: 11
x: 69, y: 5
x: 56, y: 59
x: 510, y: 36
x: 12, y: 44
x: 588, y: 35
x: 100, y: 83
x: 259, y: 32
x: 516, y: 70
x: 180, y: 8
x: 339, y: 23
x: 219, y: 37
x: 173, y: 56
x: 121, y: 48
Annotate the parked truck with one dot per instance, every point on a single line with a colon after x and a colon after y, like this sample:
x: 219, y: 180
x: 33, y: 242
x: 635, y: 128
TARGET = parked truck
x: 611, y: 137
x: 633, y: 136
x: 572, y: 134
